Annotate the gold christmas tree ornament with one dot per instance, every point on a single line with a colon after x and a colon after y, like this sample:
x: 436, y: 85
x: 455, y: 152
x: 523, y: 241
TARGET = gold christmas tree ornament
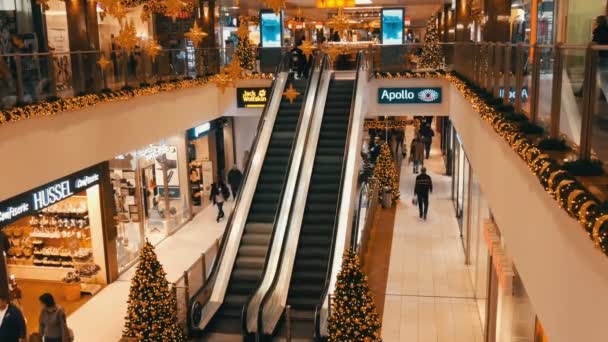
x: 234, y: 70
x: 307, y: 48
x: 291, y: 93
x: 385, y: 171
x: 103, y: 62
x: 127, y: 37
x: 340, y: 22
x: 222, y: 81
x: 196, y: 35
x: 153, y: 49
x: 243, y: 31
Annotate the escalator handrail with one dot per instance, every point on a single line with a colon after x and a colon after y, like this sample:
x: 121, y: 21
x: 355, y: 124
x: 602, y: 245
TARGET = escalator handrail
x: 354, y: 236
x: 279, y: 205
x: 360, y: 56
x: 324, y: 64
x: 210, y: 281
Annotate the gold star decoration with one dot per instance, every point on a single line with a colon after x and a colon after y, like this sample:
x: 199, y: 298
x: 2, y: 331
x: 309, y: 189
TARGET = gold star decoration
x: 221, y: 81
x: 127, y: 37
x: 153, y: 49
x: 340, y: 22
x: 173, y: 8
x: 44, y: 4
x: 307, y: 48
x: 234, y: 70
x: 114, y: 8
x: 276, y: 5
x: 103, y: 62
x: 196, y: 35
x: 243, y: 31
x: 333, y: 52
x: 291, y: 93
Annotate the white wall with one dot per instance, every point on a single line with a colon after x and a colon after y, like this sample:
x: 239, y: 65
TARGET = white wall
x: 564, y: 275
x: 244, y: 134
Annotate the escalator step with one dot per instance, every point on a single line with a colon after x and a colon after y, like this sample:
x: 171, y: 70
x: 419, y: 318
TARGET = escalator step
x: 256, y: 239
x: 258, y: 228
x: 246, y: 275
x: 252, y: 250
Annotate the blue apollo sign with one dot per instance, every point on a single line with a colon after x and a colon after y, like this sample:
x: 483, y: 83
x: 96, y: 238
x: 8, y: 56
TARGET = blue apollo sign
x: 409, y: 95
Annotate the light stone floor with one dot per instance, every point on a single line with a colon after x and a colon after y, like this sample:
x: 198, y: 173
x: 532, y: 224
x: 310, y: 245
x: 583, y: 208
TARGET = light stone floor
x: 101, y: 319
x: 429, y: 296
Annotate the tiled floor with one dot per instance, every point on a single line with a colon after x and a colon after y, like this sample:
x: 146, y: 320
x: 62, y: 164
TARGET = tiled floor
x: 429, y: 296
x: 101, y: 319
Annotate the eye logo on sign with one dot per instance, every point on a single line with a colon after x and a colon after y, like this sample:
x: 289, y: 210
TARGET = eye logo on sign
x: 409, y: 95
x: 428, y: 95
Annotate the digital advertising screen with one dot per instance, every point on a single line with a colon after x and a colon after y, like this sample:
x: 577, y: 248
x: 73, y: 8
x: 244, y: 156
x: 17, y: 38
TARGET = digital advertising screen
x: 271, y: 28
x: 392, y: 26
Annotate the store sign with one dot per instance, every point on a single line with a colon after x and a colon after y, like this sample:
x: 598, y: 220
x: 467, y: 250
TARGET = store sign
x: 524, y: 94
x: 409, y: 95
x: 252, y: 97
x: 47, y: 195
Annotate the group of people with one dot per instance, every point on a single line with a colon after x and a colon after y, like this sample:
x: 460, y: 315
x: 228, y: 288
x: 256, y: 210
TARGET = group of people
x: 52, y: 322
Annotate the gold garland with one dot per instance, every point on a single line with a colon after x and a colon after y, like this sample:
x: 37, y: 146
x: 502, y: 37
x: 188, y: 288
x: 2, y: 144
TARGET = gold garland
x: 572, y: 197
x: 389, y: 124
x: 596, y: 229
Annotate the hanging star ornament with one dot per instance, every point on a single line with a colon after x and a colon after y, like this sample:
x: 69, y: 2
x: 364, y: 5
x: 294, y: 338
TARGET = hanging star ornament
x: 340, y: 22
x: 307, y: 48
x: 173, y: 8
x: 196, y: 35
x: 153, y: 49
x: 291, y: 93
x: 127, y: 37
x: 234, y: 70
x: 222, y: 81
x: 333, y: 52
x: 103, y: 62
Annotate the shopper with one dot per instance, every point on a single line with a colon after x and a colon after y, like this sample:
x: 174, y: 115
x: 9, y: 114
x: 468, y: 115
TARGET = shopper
x: 12, y: 323
x: 53, y: 325
x: 219, y: 194
x: 427, y: 136
x: 422, y: 188
x: 374, y: 152
x: 235, y: 176
x: 417, y: 154
x: 298, y: 60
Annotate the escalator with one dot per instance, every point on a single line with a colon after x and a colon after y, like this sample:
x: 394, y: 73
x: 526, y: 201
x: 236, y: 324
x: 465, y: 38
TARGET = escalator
x: 250, y: 260
x: 313, y: 255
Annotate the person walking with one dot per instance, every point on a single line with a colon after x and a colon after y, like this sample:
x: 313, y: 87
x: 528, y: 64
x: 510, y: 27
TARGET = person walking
x: 53, y: 325
x: 417, y: 153
x: 219, y: 194
x: 374, y: 152
x: 12, y: 323
x: 235, y: 176
x: 422, y: 188
x: 427, y: 136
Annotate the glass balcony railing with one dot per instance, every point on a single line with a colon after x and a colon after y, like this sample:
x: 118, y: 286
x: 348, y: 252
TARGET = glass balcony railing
x: 38, y: 77
x: 561, y: 88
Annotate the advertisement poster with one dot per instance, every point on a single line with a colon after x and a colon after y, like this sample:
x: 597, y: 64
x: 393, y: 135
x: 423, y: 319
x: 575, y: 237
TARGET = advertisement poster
x: 271, y: 28
x: 392, y: 26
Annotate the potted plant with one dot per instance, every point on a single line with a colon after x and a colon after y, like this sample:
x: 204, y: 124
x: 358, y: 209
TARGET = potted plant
x: 71, y: 286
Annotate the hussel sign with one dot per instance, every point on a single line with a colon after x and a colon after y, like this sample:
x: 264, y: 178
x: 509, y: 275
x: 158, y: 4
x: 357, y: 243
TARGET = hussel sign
x: 409, y: 95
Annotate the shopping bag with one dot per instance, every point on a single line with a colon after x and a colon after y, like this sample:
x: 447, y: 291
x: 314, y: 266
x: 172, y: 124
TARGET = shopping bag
x: 415, y: 200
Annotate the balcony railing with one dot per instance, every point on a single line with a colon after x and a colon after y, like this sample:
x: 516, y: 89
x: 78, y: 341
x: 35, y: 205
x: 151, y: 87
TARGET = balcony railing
x: 39, y: 77
x: 560, y: 88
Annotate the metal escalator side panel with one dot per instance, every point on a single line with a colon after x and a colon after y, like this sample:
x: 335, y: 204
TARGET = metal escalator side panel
x: 281, y: 228
x: 242, y: 210
x: 274, y: 307
x: 349, y: 188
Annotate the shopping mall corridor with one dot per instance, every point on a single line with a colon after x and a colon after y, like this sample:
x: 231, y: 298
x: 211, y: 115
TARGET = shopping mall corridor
x: 429, y: 296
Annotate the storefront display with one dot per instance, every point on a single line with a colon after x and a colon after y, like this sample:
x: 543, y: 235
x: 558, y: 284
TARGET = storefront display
x: 151, y: 196
x: 56, y: 229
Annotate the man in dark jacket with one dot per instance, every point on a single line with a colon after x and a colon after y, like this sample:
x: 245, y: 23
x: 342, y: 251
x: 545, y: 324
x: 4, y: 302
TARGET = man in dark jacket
x: 374, y: 152
x: 427, y: 138
x: 219, y: 194
x: 235, y: 176
x: 12, y: 324
x: 424, y: 185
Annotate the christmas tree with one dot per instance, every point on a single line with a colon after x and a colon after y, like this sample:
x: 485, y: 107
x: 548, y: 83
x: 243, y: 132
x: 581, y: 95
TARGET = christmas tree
x: 243, y: 48
x: 432, y: 54
x: 353, y: 312
x: 385, y: 172
x: 152, y: 309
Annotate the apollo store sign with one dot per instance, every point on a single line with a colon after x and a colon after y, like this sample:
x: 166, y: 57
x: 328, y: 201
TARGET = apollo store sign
x: 410, y: 95
x: 39, y: 198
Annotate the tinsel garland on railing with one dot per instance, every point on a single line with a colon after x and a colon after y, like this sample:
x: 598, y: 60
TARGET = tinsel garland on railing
x: 570, y: 194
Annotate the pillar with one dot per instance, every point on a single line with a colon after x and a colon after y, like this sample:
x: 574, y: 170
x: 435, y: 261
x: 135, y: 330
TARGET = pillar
x: 206, y: 13
x: 462, y: 19
x: 498, y: 27
x: 84, y: 36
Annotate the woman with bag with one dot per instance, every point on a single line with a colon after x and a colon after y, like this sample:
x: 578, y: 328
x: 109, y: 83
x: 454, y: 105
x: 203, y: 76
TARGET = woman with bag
x: 53, y: 325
